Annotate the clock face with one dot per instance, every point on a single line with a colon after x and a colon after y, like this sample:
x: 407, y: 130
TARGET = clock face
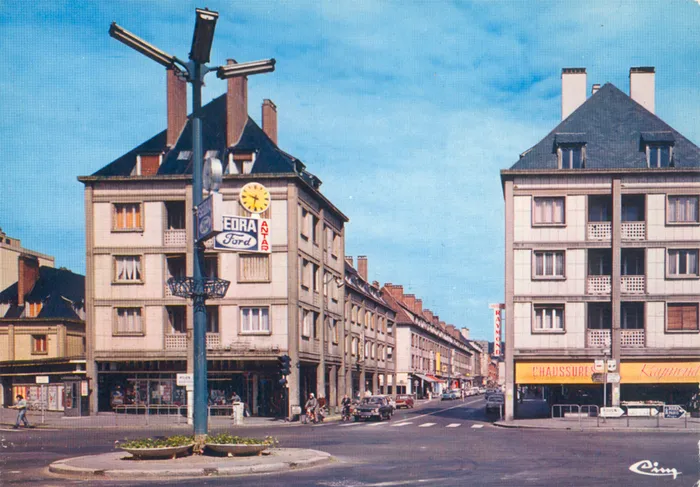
x: 255, y: 197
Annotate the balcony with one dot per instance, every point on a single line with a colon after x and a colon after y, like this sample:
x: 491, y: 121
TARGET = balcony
x: 599, y: 230
x: 628, y: 338
x: 634, y: 230
x: 633, y: 284
x: 176, y: 341
x: 599, y: 285
x: 175, y: 238
x: 213, y: 341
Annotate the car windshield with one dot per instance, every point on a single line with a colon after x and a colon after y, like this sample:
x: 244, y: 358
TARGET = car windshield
x: 373, y: 400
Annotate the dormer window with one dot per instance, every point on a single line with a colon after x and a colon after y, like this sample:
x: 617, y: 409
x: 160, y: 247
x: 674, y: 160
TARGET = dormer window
x: 659, y: 148
x: 571, y: 150
x: 147, y: 165
x: 571, y: 156
x: 240, y: 163
x: 659, y: 155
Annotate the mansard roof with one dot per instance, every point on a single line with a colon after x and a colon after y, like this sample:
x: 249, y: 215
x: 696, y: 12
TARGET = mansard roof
x: 59, y: 291
x: 615, y: 130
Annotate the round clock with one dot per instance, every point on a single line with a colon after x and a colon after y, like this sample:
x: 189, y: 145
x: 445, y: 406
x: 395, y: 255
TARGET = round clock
x: 212, y: 174
x: 255, y: 197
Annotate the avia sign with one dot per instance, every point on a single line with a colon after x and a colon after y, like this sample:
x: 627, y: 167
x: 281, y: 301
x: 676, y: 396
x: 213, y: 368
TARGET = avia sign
x: 244, y: 234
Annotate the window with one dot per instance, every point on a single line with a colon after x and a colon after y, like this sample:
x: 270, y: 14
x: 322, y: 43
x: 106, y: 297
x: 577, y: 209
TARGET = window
x: 305, y: 274
x: 212, y: 319
x: 334, y: 328
x: 177, y: 319
x: 305, y: 223
x: 390, y: 328
x: 32, y: 310
x: 632, y: 262
x: 367, y: 349
x: 659, y: 155
x: 336, y: 245
x: 314, y: 321
x: 549, y: 264
x: 682, y: 263
x: 211, y: 266
x: 128, y: 321
x: 314, y: 229
x: 315, y: 277
x: 255, y: 320
x: 175, y: 215
x: 353, y: 348
x: 549, y: 317
x: 305, y: 321
x: 253, y: 268
x: 572, y: 156
x: 599, y: 262
x: 682, y: 317
x: 353, y: 317
x: 39, y: 344
x: 389, y: 353
x: 146, y: 165
x: 682, y: 209
x: 549, y: 211
x: 127, y: 216
x: 632, y: 316
x: 127, y: 268
x: 599, y: 208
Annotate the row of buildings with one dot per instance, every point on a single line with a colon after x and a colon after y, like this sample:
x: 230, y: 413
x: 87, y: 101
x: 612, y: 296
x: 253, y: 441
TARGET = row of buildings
x: 602, y: 235
x: 304, y: 298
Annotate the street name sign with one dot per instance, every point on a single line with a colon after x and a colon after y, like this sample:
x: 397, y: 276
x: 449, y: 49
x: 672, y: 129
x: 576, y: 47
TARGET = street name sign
x: 186, y: 380
x: 673, y: 412
x: 614, y: 378
x: 611, y: 412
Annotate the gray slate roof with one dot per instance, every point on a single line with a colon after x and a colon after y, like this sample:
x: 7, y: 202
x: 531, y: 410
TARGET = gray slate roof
x: 615, y: 129
x: 269, y: 158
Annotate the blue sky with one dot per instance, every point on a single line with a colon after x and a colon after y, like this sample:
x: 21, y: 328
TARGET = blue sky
x: 406, y: 110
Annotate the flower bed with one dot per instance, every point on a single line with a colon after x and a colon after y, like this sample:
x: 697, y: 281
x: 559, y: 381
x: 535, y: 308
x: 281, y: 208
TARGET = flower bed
x: 158, y: 448
x: 225, y: 444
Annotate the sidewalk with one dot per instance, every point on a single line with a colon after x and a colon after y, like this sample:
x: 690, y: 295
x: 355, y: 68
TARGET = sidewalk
x: 536, y: 414
x: 121, y: 465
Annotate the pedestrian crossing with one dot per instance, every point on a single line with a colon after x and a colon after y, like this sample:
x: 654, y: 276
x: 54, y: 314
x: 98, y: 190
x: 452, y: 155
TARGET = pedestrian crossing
x: 399, y: 424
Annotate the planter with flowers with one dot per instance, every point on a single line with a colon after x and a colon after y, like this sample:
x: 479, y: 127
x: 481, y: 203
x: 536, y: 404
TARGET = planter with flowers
x: 225, y: 444
x: 158, y: 448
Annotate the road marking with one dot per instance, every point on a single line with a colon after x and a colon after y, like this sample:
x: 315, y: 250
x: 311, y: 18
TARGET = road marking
x: 453, y: 425
x: 357, y: 423
x: 372, y: 425
x: 395, y: 425
x: 477, y: 426
x: 426, y: 425
x: 447, y: 409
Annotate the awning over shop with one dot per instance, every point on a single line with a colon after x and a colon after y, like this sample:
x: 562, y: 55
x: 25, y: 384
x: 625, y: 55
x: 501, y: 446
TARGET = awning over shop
x: 426, y: 378
x: 432, y: 378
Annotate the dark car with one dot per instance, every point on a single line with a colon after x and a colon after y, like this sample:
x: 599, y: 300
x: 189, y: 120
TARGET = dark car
x: 404, y: 401
x: 373, y: 407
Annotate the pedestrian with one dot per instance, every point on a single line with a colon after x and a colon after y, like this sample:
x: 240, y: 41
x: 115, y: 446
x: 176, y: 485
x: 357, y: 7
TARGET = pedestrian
x: 368, y: 394
x: 311, y: 408
x: 22, y: 414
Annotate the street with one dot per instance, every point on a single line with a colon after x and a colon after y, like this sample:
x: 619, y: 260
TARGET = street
x: 437, y: 443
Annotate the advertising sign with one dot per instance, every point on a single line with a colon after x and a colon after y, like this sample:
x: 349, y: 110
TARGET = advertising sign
x: 186, y: 380
x: 553, y: 372
x: 42, y: 379
x: 209, y: 216
x: 243, y: 234
x: 497, y: 328
x: 565, y: 372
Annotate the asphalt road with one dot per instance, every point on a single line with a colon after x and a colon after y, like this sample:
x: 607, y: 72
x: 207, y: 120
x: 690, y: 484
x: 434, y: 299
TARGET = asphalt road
x: 447, y: 443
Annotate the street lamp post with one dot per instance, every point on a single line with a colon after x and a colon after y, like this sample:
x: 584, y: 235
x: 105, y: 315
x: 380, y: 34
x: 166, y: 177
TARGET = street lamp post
x: 197, y: 288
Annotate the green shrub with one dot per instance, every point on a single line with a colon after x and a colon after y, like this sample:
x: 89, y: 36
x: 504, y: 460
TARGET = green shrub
x: 227, y: 439
x: 170, y: 441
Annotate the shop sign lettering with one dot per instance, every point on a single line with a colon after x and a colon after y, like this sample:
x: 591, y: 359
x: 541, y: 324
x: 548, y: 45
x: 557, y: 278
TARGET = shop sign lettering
x: 244, y: 234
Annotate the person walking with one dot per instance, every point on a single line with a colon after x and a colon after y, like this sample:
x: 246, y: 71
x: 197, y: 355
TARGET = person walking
x: 22, y: 414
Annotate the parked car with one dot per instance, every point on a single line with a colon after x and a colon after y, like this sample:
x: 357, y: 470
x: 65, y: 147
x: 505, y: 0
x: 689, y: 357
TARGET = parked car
x: 449, y: 396
x: 495, y: 402
x: 404, y: 401
x: 474, y: 391
x: 482, y: 390
x: 373, y: 407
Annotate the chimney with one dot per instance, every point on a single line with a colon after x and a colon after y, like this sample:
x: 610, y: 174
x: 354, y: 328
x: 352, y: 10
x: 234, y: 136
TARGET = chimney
x: 642, y: 86
x: 269, y: 120
x: 362, y: 266
x: 595, y: 88
x: 27, y: 276
x: 418, y: 308
x: 428, y: 314
x: 410, y: 301
x: 348, y: 260
x: 236, y: 108
x: 465, y: 332
x: 396, y: 291
x: 573, y: 90
x: 177, y: 105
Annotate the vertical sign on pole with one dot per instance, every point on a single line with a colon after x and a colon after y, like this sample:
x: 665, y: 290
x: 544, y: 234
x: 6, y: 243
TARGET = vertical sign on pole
x: 497, y: 327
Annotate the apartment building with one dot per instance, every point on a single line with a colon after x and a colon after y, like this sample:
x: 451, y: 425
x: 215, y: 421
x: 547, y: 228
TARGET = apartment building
x: 370, y: 334
x: 10, y: 251
x: 602, y: 241
x: 139, y: 234
x: 42, y: 334
x: 431, y: 355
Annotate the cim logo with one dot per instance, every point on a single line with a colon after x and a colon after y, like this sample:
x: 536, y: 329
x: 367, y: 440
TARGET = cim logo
x: 647, y: 467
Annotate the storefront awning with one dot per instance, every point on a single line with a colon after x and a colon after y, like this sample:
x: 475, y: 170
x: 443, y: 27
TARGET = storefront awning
x: 426, y: 378
x: 432, y: 378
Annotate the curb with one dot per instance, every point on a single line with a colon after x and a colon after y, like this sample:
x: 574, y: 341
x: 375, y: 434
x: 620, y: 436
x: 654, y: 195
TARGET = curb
x: 596, y: 429
x: 62, y: 467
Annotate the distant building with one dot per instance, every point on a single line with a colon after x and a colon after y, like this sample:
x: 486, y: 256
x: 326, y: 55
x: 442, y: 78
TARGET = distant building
x: 42, y: 333
x: 602, y: 252
x: 10, y: 251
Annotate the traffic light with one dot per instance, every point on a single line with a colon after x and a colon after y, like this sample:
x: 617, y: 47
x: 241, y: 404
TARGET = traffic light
x: 285, y: 363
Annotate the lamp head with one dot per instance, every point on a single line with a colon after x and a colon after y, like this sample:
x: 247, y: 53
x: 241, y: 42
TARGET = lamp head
x: 203, y: 35
x: 138, y: 44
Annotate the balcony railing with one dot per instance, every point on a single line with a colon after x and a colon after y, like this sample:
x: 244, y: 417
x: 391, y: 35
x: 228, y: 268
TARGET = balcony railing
x: 175, y: 238
x: 599, y: 230
x: 176, y: 341
x: 632, y: 338
x: 599, y: 285
x: 628, y: 338
x: 633, y: 284
x: 213, y: 341
x: 634, y: 230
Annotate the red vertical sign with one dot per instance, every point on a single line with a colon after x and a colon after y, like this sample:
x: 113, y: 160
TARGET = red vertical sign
x: 497, y: 332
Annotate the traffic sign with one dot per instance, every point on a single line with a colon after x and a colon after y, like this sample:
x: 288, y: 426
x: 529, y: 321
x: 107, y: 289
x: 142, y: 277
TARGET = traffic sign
x: 673, y: 411
x: 599, y: 365
x: 598, y: 377
x: 614, y: 378
x: 612, y: 365
x: 611, y: 412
